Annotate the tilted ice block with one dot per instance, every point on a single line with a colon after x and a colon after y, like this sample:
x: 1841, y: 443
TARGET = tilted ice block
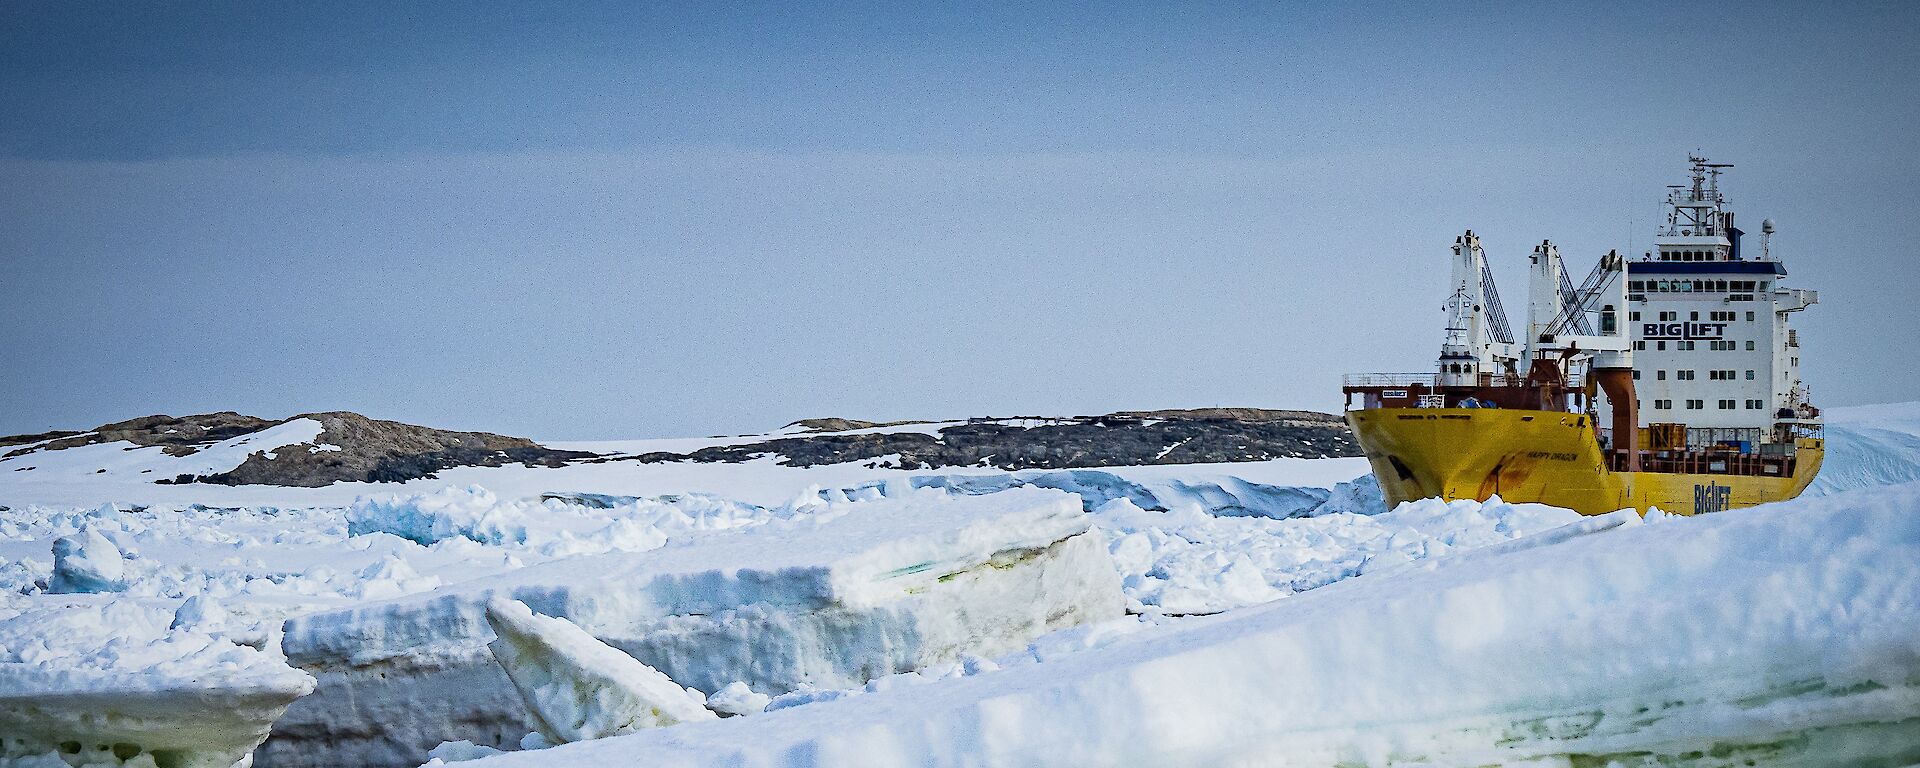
x: 837, y: 595
x: 87, y: 562
x: 578, y: 688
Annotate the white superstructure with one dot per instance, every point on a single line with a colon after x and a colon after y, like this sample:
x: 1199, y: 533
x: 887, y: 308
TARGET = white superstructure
x: 1709, y: 323
x: 1698, y: 325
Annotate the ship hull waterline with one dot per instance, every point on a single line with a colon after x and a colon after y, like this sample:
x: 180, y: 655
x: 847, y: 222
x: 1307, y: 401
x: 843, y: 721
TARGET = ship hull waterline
x: 1547, y: 457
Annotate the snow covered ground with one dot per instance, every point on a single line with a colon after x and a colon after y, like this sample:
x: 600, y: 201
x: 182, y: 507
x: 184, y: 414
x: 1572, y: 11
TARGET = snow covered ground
x: 1249, y: 637
x: 1781, y: 636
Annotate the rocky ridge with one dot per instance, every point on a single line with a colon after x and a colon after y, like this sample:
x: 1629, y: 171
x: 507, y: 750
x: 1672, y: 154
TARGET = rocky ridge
x: 357, y: 448
x: 354, y: 448
x: 1118, y: 439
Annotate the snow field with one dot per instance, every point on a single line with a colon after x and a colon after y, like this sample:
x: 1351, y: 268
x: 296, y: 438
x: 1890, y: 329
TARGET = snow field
x: 1188, y: 562
x: 1782, y: 635
x: 552, y: 527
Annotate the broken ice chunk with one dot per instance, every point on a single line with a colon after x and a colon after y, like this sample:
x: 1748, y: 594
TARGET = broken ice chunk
x: 578, y: 688
x: 459, y: 752
x: 87, y: 562
x: 738, y: 699
x: 200, y: 613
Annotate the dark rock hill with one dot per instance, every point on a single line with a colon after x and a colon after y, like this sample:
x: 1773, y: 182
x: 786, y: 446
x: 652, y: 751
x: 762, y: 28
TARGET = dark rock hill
x: 1120, y: 439
x: 182, y: 436
x: 380, y: 451
x: 370, y: 450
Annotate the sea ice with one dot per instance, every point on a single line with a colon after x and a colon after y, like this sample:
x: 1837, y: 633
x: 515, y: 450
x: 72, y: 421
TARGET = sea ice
x: 823, y: 594
x: 1780, y: 635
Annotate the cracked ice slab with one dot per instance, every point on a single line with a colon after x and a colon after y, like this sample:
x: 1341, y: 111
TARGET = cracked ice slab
x: 848, y: 554
x: 832, y: 595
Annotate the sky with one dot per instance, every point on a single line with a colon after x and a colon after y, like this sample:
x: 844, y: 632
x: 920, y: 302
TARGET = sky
x: 606, y: 220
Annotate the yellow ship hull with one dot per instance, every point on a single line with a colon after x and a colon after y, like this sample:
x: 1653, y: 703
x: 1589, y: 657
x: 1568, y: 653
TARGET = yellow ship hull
x: 1546, y: 457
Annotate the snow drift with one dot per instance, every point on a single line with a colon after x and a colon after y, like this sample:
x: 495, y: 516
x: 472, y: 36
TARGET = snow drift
x: 1870, y: 445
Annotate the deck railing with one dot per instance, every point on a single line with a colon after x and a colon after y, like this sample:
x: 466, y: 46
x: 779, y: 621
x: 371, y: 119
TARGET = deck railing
x: 1387, y: 379
x: 1429, y: 380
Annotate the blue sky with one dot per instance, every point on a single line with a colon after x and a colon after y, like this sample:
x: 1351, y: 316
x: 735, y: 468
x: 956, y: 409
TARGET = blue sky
x: 604, y: 220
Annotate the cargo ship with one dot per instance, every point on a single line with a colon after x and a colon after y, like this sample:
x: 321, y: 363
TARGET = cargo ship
x: 1671, y: 380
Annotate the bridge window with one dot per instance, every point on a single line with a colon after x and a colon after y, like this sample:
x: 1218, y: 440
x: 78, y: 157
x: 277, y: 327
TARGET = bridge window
x: 1749, y: 345
x: 1749, y: 375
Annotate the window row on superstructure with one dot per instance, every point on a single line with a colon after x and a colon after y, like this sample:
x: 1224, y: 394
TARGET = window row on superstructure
x: 1696, y: 286
x: 1723, y: 374
x: 1715, y: 254
x: 1717, y: 317
x: 1685, y: 346
x: 1700, y: 405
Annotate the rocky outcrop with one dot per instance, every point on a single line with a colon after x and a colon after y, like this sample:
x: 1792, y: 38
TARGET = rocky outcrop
x: 353, y: 448
x: 1120, y: 439
x: 180, y: 436
x: 837, y: 424
x: 350, y: 447
x: 377, y: 451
